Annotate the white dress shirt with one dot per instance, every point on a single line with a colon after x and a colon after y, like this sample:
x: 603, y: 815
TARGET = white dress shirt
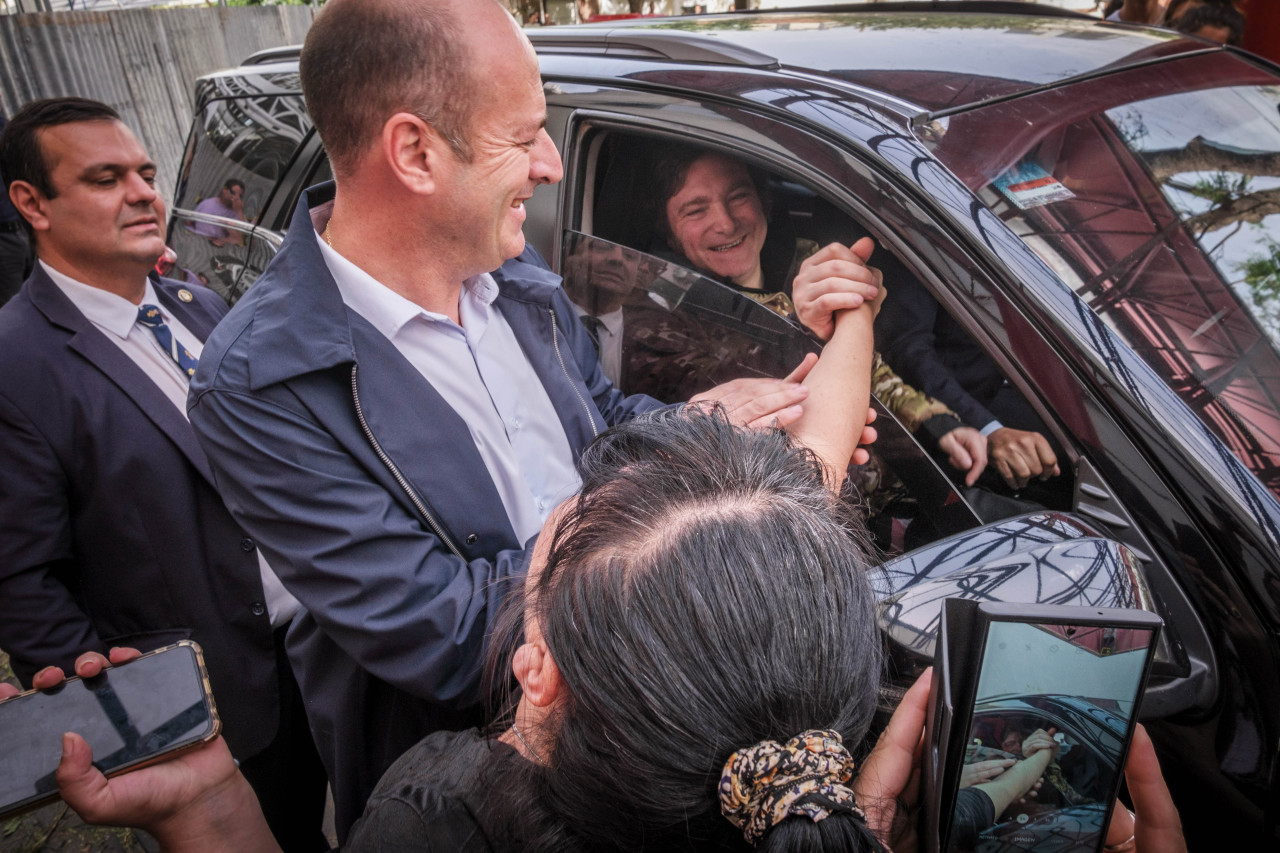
x: 480, y: 370
x: 609, y: 341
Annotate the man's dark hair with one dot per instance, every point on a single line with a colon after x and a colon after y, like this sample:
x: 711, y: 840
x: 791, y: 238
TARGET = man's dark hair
x: 1222, y: 15
x: 232, y: 183
x: 705, y: 593
x: 671, y: 166
x: 21, y: 158
x: 366, y: 61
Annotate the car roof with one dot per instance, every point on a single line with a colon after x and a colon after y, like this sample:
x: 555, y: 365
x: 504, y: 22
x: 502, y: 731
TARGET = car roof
x: 933, y: 58
x: 928, y: 56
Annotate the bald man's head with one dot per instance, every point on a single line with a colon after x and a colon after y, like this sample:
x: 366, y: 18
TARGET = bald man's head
x: 366, y: 60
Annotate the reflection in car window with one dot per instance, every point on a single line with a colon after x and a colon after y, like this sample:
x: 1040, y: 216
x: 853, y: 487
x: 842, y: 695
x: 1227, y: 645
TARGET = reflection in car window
x: 227, y: 269
x: 251, y: 139
x: 1163, y: 214
x: 666, y: 331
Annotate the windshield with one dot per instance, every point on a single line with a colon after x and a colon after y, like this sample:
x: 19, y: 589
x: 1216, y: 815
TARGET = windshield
x: 1155, y: 194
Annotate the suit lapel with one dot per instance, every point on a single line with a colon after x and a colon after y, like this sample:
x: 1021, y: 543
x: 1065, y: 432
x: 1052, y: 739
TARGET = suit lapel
x: 91, y: 345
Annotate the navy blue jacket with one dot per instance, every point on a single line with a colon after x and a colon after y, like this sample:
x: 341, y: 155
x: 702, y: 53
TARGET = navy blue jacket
x: 370, y: 499
x: 111, y: 532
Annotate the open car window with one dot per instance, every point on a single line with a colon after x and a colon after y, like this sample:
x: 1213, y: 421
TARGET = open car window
x: 665, y: 330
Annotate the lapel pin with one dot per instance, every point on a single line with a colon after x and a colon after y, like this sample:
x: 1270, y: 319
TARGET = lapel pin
x: 185, y: 295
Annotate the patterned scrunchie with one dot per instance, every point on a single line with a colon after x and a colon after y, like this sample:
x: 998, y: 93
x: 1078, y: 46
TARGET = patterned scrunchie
x: 763, y: 784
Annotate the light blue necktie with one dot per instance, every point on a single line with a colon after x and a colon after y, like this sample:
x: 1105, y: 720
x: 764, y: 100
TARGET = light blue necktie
x: 149, y: 316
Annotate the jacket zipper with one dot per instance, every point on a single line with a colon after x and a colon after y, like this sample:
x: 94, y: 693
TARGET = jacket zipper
x: 395, y: 472
x: 555, y: 343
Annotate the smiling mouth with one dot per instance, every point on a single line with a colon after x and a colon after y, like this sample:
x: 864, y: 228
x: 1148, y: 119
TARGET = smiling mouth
x: 729, y: 247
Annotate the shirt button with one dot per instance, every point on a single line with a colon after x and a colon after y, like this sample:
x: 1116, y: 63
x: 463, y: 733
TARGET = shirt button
x: 257, y: 608
x: 246, y: 544
x: 472, y: 538
x: 515, y: 422
x: 542, y: 505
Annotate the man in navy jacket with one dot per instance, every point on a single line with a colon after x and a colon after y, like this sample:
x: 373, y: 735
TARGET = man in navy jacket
x: 387, y: 419
x: 111, y: 532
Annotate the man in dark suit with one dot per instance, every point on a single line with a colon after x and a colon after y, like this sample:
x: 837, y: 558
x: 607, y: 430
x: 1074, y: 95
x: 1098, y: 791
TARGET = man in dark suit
x: 111, y: 532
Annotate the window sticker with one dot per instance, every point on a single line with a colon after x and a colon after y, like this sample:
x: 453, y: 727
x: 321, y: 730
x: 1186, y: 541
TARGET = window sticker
x: 1027, y: 186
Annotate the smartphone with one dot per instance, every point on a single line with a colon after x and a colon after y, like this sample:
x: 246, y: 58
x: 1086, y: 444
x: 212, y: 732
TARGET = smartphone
x: 1032, y: 714
x: 132, y: 715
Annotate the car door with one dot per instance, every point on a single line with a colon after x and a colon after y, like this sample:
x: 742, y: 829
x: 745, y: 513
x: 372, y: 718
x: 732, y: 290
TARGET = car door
x: 838, y: 193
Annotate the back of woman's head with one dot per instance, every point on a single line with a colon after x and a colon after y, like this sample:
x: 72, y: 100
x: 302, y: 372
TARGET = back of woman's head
x: 706, y: 594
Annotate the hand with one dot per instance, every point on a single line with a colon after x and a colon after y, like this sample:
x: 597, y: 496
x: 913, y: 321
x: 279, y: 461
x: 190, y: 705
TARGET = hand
x: 1021, y: 456
x: 195, y: 801
x: 966, y: 450
x: 835, y: 278
x: 762, y: 403
x: 1038, y: 740
x: 984, y: 771
x: 1156, y: 826
x: 892, y: 770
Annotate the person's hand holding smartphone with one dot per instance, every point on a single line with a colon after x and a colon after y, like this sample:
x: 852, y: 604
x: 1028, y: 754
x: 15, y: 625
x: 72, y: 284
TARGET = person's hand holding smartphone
x: 890, y: 776
x: 1057, y: 690
x: 190, y: 800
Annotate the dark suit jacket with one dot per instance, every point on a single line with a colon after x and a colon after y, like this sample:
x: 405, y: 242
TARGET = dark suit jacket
x: 110, y: 530
x: 934, y: 353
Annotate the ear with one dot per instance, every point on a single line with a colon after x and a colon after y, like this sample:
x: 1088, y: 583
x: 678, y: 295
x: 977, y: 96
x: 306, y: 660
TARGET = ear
x: 537, y: 673
x: 414, y: 152
x: 30, y: 203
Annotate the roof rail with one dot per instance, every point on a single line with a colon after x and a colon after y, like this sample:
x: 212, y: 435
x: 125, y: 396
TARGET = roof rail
x: 676, y: 45
x: 273, y: 54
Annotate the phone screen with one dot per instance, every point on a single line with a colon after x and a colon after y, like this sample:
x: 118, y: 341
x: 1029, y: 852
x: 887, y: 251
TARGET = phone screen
x: 129, y: 714
x: 1051, y: 719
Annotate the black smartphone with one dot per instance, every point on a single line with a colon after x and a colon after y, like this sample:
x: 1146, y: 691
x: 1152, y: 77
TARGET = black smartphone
x: 132, y: 715
x: 1033, y: 710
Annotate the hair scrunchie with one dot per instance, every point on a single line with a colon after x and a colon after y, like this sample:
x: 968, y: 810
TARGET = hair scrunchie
x: 763, y: 784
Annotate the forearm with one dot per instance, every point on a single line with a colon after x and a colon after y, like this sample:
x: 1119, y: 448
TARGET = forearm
x: 1016, y: 781
x: 839, y: 393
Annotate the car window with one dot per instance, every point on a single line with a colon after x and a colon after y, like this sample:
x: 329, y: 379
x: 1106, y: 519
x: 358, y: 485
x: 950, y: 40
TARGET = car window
x: 1155, y: 195
x: 251, y: 140
x: 224, y: 256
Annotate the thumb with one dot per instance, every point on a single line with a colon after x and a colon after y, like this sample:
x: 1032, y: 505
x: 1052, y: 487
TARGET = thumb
x: 863, y: 248
x: 81, y: 784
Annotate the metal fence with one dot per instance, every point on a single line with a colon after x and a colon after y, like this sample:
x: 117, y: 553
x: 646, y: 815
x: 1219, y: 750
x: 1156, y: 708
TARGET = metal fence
x: 143, y: 62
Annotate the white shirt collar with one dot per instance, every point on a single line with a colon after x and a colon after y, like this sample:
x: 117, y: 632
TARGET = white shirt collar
x: 106, y: 310
x: 387, y: 310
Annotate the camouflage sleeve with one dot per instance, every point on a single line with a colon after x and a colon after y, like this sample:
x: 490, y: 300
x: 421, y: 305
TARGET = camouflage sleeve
x: 908, y: 405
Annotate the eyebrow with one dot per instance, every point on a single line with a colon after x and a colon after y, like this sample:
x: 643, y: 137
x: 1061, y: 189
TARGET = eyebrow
x: 706, y: 197
x: 98, y: 168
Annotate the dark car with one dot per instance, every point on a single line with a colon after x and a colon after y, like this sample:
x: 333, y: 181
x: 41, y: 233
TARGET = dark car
x: 1093, y: 207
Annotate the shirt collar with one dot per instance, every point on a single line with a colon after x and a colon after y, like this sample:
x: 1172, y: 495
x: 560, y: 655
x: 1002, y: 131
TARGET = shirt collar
x: 103, y: 308
x: 385, y: 309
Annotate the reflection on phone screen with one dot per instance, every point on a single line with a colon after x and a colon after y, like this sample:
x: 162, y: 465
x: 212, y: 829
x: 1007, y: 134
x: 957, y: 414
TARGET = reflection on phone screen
x: 128, y: 714
x: 1053, y: 709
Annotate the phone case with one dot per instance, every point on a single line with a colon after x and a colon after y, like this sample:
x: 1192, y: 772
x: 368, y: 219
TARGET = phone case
x: 214, y: 724
x: 963, y: 633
